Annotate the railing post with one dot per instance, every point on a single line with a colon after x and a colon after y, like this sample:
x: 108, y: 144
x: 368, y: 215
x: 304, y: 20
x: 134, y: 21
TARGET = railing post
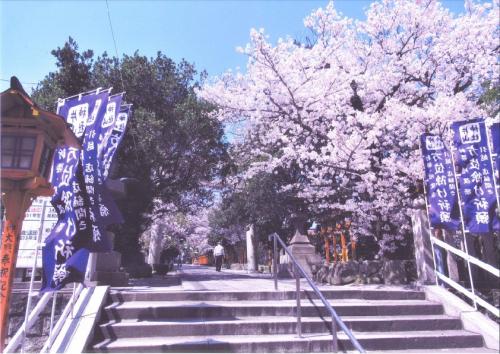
x: 335, y: 344
x: 299, y: 310
x: 275, y: 261
x: 73, y: 300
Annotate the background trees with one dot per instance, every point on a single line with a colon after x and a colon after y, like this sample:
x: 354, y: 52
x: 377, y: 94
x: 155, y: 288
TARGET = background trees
x: 342, y: 115
x: 174, y: 231
x: 173, y: 148
x: 329, y: 128
x: 258, y: 201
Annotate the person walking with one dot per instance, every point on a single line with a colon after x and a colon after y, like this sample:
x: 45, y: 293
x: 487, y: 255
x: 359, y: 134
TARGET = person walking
x: 219, y: 256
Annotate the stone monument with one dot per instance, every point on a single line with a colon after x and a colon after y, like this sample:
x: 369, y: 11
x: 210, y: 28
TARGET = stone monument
x: 422, y: 243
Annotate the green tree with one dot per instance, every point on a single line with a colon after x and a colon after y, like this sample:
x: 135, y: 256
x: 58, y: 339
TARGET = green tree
x: 259, y: 201
x: 172, y: 150
x: 73, y: 75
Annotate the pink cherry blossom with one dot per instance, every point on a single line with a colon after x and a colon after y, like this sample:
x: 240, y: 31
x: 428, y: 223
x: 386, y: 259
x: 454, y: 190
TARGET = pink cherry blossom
x: 348, y: 108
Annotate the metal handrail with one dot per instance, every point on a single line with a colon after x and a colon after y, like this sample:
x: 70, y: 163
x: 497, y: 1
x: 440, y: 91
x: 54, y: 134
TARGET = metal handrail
x: 60, y: 323
x: 17, y: 339
x: 298, y: 269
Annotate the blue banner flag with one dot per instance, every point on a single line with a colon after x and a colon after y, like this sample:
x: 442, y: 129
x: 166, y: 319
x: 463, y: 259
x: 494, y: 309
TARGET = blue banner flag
x: 115, y: 137
x: 103, y: 208
x: 440, y: 184
x: 66, y: 249
x: 495, y: 142
x: 476, y: 184
x: 108, y: 211
x: 82, y: 201
x: 495, y: 150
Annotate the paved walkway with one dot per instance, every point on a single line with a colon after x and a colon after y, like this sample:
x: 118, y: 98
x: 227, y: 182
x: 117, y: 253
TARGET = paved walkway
x: 206, y: 278
x: 197, y: 278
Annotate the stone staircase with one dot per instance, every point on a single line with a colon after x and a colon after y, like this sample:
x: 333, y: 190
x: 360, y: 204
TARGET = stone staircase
x: 264, y: 321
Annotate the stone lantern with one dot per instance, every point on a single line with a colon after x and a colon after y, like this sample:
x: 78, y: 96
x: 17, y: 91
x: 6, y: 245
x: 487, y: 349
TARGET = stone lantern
x: 301, y: 247
x: 29, y: 138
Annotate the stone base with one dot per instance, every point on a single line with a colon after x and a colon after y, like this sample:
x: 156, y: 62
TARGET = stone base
x: 306, y: 256
x: 110, y: 278
x: 109, y: 261
x: 390, y: 272
x: 107, y: 270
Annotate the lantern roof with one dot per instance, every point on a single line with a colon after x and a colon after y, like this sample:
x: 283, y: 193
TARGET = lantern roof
x: 17, y: 106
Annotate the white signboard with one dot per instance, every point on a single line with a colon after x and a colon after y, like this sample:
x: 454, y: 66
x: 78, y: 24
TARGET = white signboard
x: 32, y: 225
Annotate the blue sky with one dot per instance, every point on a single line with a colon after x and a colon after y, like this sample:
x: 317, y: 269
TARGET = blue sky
x: 203, y: 32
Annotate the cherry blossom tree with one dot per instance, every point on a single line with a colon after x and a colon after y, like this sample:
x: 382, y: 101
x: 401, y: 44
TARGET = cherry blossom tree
x: 346, y: 109
x: 172, y: 228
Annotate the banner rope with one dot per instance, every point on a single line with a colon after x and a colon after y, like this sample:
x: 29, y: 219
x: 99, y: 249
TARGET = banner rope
x: 114, y: 41
x: 120, y: 71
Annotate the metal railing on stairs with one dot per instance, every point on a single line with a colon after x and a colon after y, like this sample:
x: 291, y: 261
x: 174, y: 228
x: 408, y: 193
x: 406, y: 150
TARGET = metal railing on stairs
x: 17, y: 341
x: 298, y: 271
x: 33, y: 315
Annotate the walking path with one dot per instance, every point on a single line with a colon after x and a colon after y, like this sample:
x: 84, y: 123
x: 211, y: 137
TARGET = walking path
x: 197, y: 278
x: 206, y: 278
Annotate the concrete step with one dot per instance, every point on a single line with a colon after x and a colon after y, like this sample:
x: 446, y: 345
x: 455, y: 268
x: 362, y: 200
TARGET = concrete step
x: 144, y: 310
x: 439, y: 351
x: 272, y: 325
x: 309, y: 343
x: 148, y: 295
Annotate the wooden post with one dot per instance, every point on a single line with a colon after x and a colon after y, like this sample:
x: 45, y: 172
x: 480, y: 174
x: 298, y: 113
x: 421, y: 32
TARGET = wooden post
x: 16, y: 202
x: 352, y: 239
x: 327, y: 245
x: 353, y: 249
x: 334, y: 236
x: 344, y: 247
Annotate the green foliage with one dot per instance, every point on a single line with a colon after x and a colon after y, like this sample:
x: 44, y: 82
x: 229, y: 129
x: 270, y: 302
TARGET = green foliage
x: 260, y: 201
x: 72, y: 77
x: 172, y: 148
x: 491, y: 98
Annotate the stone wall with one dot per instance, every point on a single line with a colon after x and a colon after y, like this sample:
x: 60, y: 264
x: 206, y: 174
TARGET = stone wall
x: 391, y: 272
x: 39, y: 332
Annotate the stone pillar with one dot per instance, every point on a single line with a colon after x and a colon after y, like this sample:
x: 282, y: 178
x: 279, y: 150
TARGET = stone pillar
x: 423, y: 251
x: 251, y: 259
x: 304, y: 252
x: 154, y: 247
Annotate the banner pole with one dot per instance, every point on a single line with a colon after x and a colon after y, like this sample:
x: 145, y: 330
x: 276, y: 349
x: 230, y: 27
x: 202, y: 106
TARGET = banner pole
x: 99, y: 89
x: 462, y: 222
x: 33, y: 271
x: 53, y: 312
